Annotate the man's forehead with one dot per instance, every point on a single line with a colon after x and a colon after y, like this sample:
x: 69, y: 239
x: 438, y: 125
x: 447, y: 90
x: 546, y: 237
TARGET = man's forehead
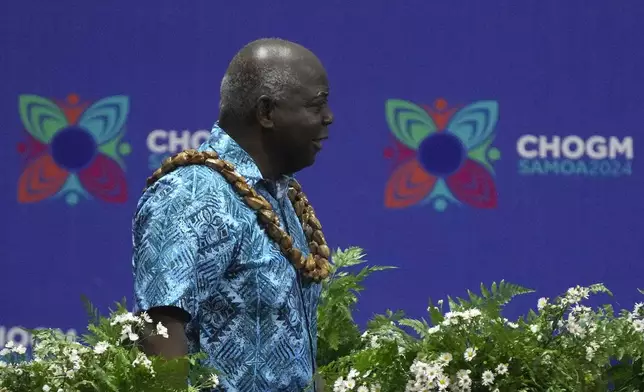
x: 312, y: 74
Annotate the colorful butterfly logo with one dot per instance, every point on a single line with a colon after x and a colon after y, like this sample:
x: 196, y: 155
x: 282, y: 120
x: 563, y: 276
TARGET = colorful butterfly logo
x: 73, y: 149
x: 443, y: 155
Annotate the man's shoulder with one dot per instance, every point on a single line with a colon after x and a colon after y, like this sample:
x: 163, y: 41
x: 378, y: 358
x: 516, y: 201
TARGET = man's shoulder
x: 189, y: 188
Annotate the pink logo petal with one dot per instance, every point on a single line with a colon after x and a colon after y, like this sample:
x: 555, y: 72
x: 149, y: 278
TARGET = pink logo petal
x: 473, y: 185
x: 105, y: 180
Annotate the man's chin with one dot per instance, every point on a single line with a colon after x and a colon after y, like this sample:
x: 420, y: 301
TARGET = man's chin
x: 304, y: 163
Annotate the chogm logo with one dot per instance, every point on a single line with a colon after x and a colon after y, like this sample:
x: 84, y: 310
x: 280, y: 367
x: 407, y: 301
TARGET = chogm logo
x: 442, y: 154
x: 595, y: 156
x: 164, y: 143
x: 73, y: 149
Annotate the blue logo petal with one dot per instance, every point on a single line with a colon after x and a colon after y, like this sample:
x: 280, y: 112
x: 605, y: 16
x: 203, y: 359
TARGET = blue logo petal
x: 474, y: 124
x: 105, y: 118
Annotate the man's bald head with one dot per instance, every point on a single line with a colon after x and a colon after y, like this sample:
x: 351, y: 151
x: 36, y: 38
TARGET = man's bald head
x: 268, y: 66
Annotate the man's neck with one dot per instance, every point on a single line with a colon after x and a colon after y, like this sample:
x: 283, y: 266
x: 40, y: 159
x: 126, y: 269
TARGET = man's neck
x: 250, y: 141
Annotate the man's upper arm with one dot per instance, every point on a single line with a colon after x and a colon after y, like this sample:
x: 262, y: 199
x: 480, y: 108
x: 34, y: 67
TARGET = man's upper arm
x: 180, y: 223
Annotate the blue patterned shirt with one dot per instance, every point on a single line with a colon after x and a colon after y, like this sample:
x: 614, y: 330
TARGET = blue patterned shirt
x: 197, y: 246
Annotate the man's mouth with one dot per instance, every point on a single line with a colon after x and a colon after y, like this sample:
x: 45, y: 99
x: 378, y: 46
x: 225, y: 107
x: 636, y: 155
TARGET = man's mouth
x: 318, y: 142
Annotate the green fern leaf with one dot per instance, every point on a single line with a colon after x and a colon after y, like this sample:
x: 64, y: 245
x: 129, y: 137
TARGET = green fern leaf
x: 484, y: 291
x: 418, y: 326
x: 93, y: 313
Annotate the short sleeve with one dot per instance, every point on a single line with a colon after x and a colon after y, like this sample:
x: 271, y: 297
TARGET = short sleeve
x: 183, y: 240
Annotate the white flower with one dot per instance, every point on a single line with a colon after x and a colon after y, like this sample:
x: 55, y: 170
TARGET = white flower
x: 127, y: 333
x: 374, y: 341
x: 19, y: 349
x: 363, y: 388
x: 161, y: 330
x: 542, y: 303
x: 214, y: 380
x: 5, y: 351
x: 534, y: 328
x: 575, y: 329
x: 488, y: 378
x: 442, y: 382
x: 433, y: 330
x: 353, y: 373
x: 510, y: 324
x: 9, y: 344
x: 432, y: 372
x: 590, y: 350
x: 338, y: 386
x: 445, y: 358
x: 46, y: 388
x: 470, y: 353
x: 463, y: 379
x: 146, y: 317
x: 502, y: 369
x: 144, y: 361
x: 101, y: 347
x: 349, y: 384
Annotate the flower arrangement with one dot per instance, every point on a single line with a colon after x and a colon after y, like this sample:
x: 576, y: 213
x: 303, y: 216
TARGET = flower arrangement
x: 464, y: 345
x: 467, y: 345
x: 108, y: 358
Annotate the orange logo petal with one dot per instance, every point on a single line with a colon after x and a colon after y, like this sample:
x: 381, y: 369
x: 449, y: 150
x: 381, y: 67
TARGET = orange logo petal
x: 40, y: 180
x: 408, y: 185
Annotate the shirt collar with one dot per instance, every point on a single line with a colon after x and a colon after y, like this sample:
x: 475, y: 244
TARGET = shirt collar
x: 229, y: 150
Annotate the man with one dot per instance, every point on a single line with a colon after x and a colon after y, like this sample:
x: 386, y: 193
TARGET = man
x: 204, y: 265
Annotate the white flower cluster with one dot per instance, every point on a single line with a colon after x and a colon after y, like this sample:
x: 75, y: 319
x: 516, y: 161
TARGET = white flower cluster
x: 636, y: 317
x: 10, y: 347
x: 132, y: 323
x: 355, y: 382
x: 455, y: 318
x: 580, y: 322
x: 143, y: 361
x: 374, y: 338
x: 575, y: 295
x: 432, y: 376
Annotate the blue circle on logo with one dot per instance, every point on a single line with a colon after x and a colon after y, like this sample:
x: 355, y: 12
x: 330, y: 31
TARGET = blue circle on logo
x: 73, y: 148
x: 441, y: 154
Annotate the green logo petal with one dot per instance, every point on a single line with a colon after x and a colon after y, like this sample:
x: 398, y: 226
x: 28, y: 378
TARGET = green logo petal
x: 408, y: 122
x: 41, y: 117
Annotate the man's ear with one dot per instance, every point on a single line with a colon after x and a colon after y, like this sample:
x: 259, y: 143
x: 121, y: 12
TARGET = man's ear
x: 265, y: 108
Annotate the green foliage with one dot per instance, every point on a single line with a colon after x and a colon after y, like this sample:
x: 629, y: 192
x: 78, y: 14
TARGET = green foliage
x: 338, y: 334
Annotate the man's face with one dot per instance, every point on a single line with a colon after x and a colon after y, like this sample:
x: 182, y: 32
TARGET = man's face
x: 301, y: 119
